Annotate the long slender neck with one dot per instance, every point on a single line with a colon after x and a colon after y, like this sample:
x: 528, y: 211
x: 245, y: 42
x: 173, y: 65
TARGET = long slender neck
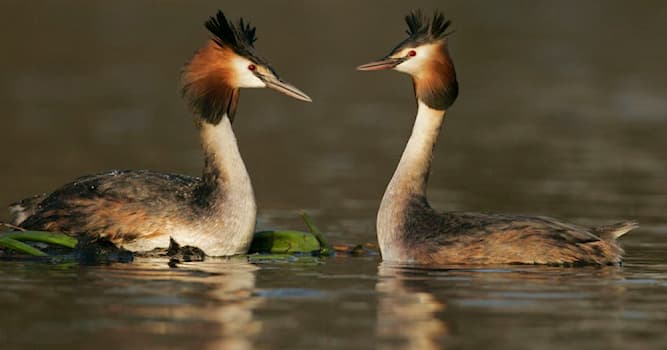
x: 225, y: 193
x: 412, y: 173
x: 223, y: 165
x: 410, y: 178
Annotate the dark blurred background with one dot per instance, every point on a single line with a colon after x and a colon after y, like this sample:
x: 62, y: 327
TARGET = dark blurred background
x: 562, y: 111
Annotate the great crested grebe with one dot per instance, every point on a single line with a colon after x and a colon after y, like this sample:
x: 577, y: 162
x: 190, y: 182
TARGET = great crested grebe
x: 410, y: 231
x: 141, y: 210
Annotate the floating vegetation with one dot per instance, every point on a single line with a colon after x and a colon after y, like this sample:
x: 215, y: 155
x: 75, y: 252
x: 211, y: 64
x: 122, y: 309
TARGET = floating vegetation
x: 284, y: 242
x: 266, y: 246
x: 18, y: 246
x: 15, y: 241
x: 58, y: 247
x: 291, y: 242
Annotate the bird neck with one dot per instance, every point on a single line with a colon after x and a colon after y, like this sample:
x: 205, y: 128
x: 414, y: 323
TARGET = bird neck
x: 223, y: 165
x: 225, y: 190
x: 411, y: 176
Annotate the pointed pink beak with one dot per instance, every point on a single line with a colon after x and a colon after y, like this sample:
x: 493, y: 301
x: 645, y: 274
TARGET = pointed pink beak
x: 385, y: 63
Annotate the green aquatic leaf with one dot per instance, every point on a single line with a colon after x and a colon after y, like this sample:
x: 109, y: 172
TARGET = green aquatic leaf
x: 45, y: 237
x: 10, y: 243
x: 325, y: 248
x: 14, y: 241
x: 284, y: 242
x: 291, y: 242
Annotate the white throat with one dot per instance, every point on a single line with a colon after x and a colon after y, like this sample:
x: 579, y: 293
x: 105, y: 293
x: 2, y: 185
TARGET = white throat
x: 229, y: 228
x: 409, y: 180
x: 221, y: 147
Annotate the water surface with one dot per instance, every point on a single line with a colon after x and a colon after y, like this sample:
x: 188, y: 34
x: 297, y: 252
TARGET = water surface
x: 563, y: 112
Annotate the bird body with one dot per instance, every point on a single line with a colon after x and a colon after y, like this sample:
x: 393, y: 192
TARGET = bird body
x: 142, y: 210
x: 409, y: 230
x: 420, y: 235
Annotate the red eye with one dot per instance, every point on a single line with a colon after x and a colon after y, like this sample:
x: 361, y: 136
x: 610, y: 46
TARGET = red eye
x: 412, y: 53
x: 252, y: 67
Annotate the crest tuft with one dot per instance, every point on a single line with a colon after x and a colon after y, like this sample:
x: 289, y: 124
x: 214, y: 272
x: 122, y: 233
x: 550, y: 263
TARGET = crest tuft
x: 240, y: 38
x: 424, y: 29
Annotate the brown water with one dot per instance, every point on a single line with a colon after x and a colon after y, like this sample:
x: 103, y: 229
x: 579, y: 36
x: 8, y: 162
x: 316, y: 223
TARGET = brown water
x: 563, y: 112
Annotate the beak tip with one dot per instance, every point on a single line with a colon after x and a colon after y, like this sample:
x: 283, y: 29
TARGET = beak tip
x: 286, y: 89
x: 378, y: 65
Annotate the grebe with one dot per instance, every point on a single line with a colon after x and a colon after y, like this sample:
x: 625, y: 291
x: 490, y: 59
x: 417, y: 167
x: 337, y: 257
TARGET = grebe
x: 141, y: 210
x: 410, y: 231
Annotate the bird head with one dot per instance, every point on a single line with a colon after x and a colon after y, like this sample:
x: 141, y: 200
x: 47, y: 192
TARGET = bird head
x: 424, y: 55
x: 212, y: 78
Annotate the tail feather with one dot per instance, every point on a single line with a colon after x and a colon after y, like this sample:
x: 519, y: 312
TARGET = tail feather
x: 614, y: 231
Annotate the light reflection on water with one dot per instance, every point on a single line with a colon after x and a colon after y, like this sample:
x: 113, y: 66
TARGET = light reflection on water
x: 407, y: 314
x: 233, y: 304
x: 521, y: 307
x: 562, y: 112
x: 207, y: 305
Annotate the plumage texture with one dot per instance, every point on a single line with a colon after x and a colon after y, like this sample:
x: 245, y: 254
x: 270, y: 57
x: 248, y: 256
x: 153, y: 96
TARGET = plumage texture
x: 136, y: 209
x: 208, y: 80
x: 423, y: 29
x: 207, y: 84
x: 410, y: 231
x: 115, y: 205
x: 439, y: 88
x: 480, y: 238
x: 437, y: 85
x: 239, y: 37
x: 141, y: 210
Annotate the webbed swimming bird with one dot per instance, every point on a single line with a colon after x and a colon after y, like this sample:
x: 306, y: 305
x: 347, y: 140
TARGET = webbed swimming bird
x: 141, y: 210
x: 409, y: 230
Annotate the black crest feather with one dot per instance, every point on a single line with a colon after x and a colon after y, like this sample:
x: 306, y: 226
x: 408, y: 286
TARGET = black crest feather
x: 240, y: 38
x: 424, y: 29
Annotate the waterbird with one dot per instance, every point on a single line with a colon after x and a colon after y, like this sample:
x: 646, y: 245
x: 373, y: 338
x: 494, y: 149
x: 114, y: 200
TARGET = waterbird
x: 410, y: 231
x: 141, y: 210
